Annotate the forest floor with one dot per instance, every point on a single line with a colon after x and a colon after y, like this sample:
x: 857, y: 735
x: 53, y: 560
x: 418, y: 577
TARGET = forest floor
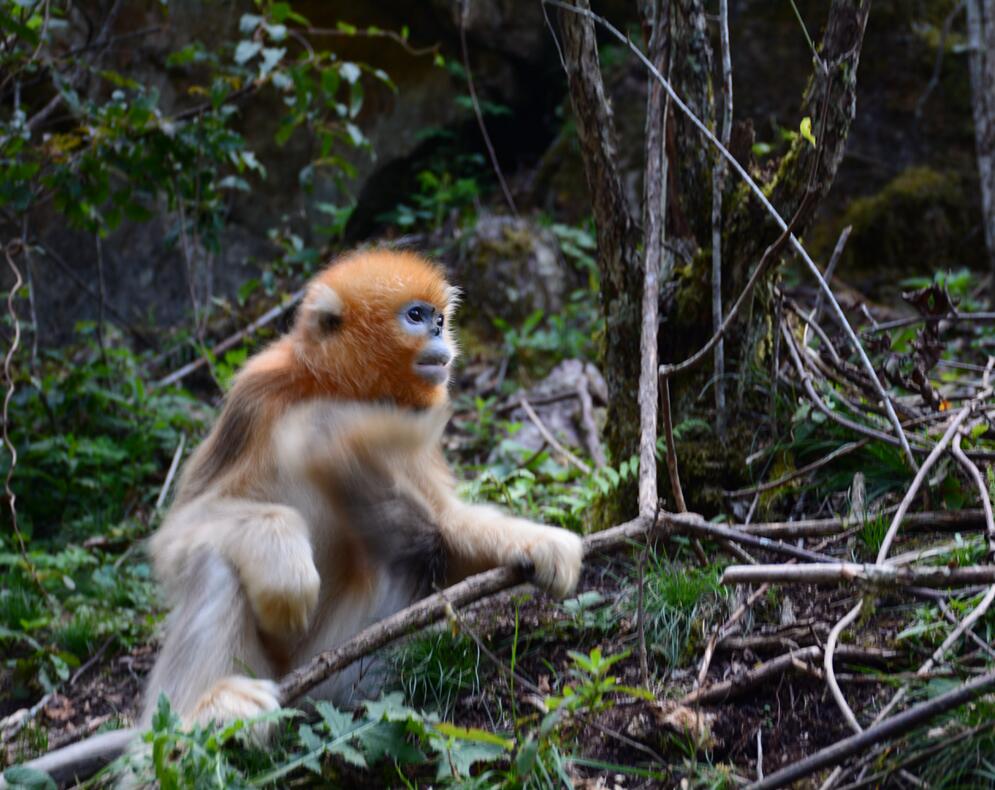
x: 545, y: 692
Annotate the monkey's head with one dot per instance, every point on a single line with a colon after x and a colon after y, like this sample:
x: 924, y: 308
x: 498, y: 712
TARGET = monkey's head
x: 375, y: 325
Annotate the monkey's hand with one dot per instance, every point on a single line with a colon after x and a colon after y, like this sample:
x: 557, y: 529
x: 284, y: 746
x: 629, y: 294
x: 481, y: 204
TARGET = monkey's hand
x: 555, y: 558
x: 282, y: 585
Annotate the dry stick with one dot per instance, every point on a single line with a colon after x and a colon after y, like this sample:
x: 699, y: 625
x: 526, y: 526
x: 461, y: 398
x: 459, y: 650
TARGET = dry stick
x: 718, y: 183
x: 917, y: 481
x: 668, y: 433
x: 886, y: 576
x: 840, y: 451
x: 173, y: 466
x: 266, y: 318
x: 953, y: 318
x: 719, y: 692
x: 834, y: 259
x: 550, y: 439
x: 897, y: 725
x: 590, y: 427
x: 979, y: 481
x: 809, y: 263
x: 820, y: 404
x: 827, y: 664
x: 12, y: 248
x: 932, y: 521
x: 465, y: 7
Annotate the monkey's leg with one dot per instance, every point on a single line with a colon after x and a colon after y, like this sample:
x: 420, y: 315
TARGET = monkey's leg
x: 268, y: 545
x: 211, y: 645
x: 480, y: 537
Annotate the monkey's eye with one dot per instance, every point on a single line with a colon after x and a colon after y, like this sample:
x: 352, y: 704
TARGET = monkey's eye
x: 416, y: 314
x: 440, y: 321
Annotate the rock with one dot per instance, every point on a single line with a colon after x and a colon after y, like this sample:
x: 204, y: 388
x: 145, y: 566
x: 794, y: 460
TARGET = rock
x: 510, y: 267
x: 560, y: 415
x: 920, y: 222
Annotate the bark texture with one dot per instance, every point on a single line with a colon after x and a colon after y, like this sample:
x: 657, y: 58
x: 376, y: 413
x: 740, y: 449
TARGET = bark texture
x: 617, y: 235
x: 981, y: 42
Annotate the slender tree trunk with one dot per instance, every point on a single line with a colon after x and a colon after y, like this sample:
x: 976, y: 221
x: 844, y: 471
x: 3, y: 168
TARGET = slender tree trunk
x: 617, y: 237
x: 981, y: 41
x: 830, y: 102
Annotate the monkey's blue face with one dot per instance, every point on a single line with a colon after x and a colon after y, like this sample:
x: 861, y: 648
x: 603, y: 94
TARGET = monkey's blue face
x: 424, y: 321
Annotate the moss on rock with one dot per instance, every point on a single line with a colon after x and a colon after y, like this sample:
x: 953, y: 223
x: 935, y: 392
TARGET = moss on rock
x: 920, y: 222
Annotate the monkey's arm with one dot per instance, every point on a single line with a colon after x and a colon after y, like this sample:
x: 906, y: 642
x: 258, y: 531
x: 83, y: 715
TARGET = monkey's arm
x: 481, y: 537
x: 267, y: 545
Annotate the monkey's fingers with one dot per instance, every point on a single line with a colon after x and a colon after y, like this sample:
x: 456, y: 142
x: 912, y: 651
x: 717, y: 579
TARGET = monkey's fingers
x: 556, y: 556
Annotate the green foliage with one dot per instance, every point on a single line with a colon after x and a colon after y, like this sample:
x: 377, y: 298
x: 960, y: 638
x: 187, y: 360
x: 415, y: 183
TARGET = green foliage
x: 436, y: 668
x: 677, y: 602
x: 593, y: 688
x: 121, y: 151
x: 94, y: 438
x: 385, y: 736
x: 537, y: 486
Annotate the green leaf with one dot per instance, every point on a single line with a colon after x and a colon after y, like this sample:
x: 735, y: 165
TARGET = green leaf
x: 350, y: 72
x: 22, y: 776
x: 246, y: 51
x: 805, y: 128
x: 474, y: 734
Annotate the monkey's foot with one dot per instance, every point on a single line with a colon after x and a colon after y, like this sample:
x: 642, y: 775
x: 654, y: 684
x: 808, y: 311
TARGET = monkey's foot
x: 239, y: 697
x: 555, y: 556
x: 283, y: 590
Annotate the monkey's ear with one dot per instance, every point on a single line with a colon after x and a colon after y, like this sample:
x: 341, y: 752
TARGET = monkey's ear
x: 322, y: 310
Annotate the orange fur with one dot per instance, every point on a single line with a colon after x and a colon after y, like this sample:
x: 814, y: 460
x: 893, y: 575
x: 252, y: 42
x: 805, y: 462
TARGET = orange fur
x: 320, y: 501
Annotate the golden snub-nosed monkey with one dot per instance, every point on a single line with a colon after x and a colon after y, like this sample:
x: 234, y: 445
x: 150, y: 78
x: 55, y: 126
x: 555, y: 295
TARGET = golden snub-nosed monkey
x: 320, y: 502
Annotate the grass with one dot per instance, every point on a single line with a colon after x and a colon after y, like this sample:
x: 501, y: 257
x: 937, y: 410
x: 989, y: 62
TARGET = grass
x: 435, y: 669
x: 678, y: 601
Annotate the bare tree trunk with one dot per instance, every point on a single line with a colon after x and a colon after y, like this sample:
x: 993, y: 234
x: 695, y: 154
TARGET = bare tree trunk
x: 617, y: 235
x: 981, y: 41
x: 830, y: 101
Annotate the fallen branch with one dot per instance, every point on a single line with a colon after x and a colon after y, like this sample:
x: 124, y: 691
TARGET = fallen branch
x: 931, y: 521
x: 887, y: 576
x: 552, y: 440
x: 720, y: 692
x: 897, y: 725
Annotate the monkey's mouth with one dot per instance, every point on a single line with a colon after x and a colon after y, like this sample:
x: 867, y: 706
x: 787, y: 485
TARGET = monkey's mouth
x: 433, y: 373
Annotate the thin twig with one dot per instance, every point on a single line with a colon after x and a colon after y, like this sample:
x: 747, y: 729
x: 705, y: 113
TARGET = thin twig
x: 668, y: 433
x: 844, y: 449
x: 173, y: 466
x: 981, y: 484
x: 464, y: 10
x: 827, y: 665
x: 775, y: 667
x: 834, y: 260
x: 917, y: 481
x: 718, y: 184
x: 886, y: 730
x: 941, y: 48
x: 232, y: 340
x: 550, y: 439
x: 589, y: 425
